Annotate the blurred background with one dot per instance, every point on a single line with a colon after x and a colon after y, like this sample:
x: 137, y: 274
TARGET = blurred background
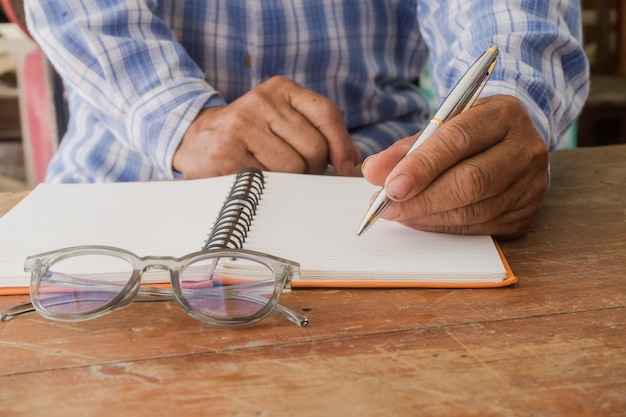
x: 33, y: 113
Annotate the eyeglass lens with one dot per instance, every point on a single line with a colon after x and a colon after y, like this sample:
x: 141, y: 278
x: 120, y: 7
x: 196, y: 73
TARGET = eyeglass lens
x: 82, y: 284
x: 219, y: 287
x: 227, y: 287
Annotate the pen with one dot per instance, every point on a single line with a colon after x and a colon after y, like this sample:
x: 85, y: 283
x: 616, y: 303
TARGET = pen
x: 461, y: 97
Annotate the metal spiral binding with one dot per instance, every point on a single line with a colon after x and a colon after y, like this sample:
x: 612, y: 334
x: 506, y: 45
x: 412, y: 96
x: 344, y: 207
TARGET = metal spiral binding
x: 235, y: 218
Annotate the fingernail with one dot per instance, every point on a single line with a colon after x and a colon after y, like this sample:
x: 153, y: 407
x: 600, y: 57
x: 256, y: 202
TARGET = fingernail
x: 364, y: 162
x: 399, y: 187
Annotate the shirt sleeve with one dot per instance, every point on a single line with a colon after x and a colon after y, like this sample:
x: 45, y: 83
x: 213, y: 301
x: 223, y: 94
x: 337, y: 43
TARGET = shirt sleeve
x: 542, y: 61
x: 127, y: 66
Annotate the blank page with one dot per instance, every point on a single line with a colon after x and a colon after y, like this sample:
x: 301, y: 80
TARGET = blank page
x: 313, y: 220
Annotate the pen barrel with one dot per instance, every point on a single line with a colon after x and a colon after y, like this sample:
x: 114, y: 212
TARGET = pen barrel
x: 380, y: 204
x: 469, y: 86
x: 427, y: 132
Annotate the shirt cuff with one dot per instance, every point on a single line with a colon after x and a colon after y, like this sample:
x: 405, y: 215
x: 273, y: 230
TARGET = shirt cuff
x: 158, y: 122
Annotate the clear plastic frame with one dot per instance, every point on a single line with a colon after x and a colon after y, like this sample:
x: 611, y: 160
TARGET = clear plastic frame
x: 227, y: 287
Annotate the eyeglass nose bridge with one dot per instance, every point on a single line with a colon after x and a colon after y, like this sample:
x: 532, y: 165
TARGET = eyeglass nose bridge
x: 157, y: 267
x: 155, y: 271
x: 133, y: 288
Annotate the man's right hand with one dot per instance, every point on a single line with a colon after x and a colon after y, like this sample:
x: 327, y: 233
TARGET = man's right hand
x: 277, y: 126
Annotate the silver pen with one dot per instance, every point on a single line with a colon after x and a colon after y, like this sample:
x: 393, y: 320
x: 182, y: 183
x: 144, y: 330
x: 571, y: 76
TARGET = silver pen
x: 461, y: 97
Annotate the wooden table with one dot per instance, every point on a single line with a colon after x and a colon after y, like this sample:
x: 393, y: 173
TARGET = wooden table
x: 552, y: 345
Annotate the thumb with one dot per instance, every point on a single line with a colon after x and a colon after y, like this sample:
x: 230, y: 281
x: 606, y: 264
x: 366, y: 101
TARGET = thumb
x: 377, y: 167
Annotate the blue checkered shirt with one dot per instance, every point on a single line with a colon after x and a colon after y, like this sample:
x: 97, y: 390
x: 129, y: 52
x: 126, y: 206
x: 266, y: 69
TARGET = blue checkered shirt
x: 137, y: 72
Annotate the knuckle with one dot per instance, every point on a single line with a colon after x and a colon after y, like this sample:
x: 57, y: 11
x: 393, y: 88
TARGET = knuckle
x: 292, y: 165
x: 318, y: 151
x: 538, y: 153
x: 424, y: 166
x: 257, y: 100
x: 277, y: 84
x: 463, y: 216
x: 328, y: 107
x: 510, y: 107
x: 539, y: 187
x: 472, y: 182
x: 456, y: 137
x: 277, y: 80
x: 419, y: 205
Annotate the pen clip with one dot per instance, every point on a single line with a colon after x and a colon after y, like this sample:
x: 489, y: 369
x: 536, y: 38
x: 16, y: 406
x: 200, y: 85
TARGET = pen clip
x: 481, y: 86
x: 470, y: 85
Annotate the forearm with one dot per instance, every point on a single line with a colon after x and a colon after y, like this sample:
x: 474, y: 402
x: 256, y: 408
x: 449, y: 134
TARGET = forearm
x: 126, y: 65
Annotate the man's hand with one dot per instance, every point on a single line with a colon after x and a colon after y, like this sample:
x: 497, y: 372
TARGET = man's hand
x: 277, y: 126
x: 483, y: 172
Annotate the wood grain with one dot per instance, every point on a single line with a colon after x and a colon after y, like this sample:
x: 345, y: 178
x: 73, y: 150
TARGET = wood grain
x: 552, y: 345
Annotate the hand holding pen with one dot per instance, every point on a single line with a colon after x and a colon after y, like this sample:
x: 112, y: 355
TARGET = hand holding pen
x: 461, y: 97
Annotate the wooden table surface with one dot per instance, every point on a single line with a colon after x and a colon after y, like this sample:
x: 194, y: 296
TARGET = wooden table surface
x: 552, y: 345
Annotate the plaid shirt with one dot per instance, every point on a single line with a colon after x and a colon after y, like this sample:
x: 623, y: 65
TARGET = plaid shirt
x: 137, y: 72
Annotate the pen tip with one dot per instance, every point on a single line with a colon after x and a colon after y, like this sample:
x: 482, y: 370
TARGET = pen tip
x: 365, y: 224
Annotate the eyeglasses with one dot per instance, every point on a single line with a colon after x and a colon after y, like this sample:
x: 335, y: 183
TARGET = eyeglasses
x: 227, y: 287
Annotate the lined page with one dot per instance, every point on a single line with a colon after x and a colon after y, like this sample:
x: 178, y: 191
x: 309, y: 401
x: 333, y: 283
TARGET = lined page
x: 169, y: 218
x: 313, y: 220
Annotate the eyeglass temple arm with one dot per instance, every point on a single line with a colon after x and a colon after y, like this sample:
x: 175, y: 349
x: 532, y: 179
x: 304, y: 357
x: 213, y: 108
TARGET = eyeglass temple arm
x: 148, y: 294
x: 15, y: 311
x: 12, y: 312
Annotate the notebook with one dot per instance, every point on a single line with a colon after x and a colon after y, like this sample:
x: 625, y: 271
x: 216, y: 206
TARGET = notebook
x: 310, y: 219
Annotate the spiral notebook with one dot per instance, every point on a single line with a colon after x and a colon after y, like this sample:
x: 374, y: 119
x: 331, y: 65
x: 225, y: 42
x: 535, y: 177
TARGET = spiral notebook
x: 310, y: 219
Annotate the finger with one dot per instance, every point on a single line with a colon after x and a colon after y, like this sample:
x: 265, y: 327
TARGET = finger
x: 327, y: 118
x: 509, y: 225
x: 287, y: 140
x: 377, y: 167
x: 303, y: 138
x: 477, y: 178
x: 268, y: 148
x: 518, y: 196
